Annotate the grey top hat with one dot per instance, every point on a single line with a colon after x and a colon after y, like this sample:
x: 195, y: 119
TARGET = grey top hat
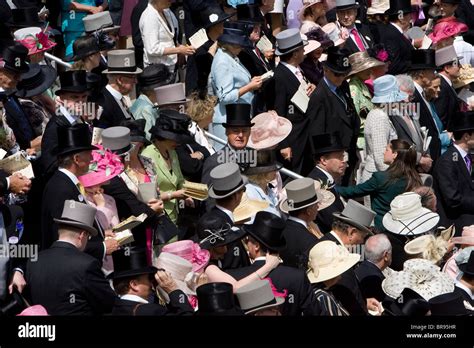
x: 257, y: 296
x: 78, y: 215
x: 117, y: 140
x: 225, y: 181
x: 301, y: 193
x: 122, y: 62
x: 357, y: 215
x: 97, y: 21
x: 446, y: 55
x: 288, y: 41
x: 171, y: 94
x: 346, y: 4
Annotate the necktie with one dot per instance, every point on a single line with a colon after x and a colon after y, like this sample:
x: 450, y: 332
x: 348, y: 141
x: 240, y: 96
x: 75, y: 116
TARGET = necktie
x: 468, y: 160
x: 299, y: 75
x: 81, y: 189
x: 358, y: 40
x: 126, y: 106
x: 340, y: 94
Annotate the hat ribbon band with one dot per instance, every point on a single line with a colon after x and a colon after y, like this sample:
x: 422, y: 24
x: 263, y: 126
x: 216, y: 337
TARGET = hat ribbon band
x: 287, y: 49
x: 410, y: 230
x: 273, y: 301
x: 224, y: 192
x: 305, y: 202
x: 123, y: 69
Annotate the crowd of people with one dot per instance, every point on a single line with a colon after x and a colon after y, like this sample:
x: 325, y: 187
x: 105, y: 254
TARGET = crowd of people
x: 240, y: 157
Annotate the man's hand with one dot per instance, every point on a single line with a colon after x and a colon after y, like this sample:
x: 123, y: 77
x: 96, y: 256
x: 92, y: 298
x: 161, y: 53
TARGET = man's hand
x: 310, y: 89
x: 286, y: 153
x: 109, y: 233
x: 374, y: 305
x: 425, y: 163
x: 18, y: 282
x: 269, y: 54
x: 166, y: 281
x: 19, y: 184
x: 111, y: 245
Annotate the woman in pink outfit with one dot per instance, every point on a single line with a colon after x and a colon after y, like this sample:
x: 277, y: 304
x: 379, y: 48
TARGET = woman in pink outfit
x: 466, y: 240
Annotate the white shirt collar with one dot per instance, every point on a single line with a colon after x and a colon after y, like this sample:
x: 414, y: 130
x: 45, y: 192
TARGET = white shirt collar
x: 295, y: 219
x: 133, y: 298
x: 292, y: 68
x: 446, y: 79
x: 396, y: 26
x: 1, y: 89
x: 337, y: 237
x: 116, y: 94
x: 227, y: 211
x: 461, y: 151
x: 465, y: 288
x: 70, y: 175
x: 330, y: 177
x: 70, y: 118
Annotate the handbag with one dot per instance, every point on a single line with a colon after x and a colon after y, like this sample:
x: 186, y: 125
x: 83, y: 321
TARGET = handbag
x: 165, y: 230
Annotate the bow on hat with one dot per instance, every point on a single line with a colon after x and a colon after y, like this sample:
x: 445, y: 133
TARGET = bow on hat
x: 198, y: 257
x: 105, y: 160
x: 103, y: 40
x: 217, y: 235
x: 273, y: 127
x: 38, y: 42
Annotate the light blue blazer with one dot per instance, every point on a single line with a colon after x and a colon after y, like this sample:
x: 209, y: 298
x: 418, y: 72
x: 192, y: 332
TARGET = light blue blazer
x: 143, y: 108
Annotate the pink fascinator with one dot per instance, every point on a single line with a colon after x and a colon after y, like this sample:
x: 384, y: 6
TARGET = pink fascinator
x: 105, y: 166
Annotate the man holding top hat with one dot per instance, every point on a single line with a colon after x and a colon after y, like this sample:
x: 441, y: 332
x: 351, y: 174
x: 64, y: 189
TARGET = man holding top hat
x: 134, y: 281
x: 64, y: 279
x: 453, y: 179
x: 122, y: 74
x: 331, y: 108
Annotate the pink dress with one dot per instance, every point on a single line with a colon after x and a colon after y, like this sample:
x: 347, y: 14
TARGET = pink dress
x: 149, y: 235
x: 125, y: 24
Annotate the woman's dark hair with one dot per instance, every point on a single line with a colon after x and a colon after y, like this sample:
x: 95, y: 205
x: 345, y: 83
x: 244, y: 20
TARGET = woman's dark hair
x: 404, y: 165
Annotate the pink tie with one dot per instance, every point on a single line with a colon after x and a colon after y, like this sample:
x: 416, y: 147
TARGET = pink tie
x: 299, y: 75
x: 358, y: 40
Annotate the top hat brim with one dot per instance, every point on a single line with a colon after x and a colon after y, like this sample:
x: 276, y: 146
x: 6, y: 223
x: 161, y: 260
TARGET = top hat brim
x: 406, y: 10
x: 222, y: 18
x: 229, y: 238
x: 263, y: 169
x: 132, y: 273
x: 74, y: 89
x: 336, y: 69
x: 183, y: 101
x: 347, y: 7
x: 238, y: 124
x: 413, y: 67
x: 282, y: 53
x: 278, y: 301
x: 139, y: 139
x: 242, y: 41
x: 105, y: 30
x: 77, y: 224
x: 286, y: 207
x: 75, y: 149
x: 49, y: 75
x: 79, y: 56
x: 137, y: 71
x: 281, y: 246
x: 215, y: 195
x: 179, y: 138
x: 329, y: 149
x: 352, y: 223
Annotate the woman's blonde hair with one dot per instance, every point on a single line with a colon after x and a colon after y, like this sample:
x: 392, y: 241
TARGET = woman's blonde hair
x: 201, y: 106
x: 261, y: 180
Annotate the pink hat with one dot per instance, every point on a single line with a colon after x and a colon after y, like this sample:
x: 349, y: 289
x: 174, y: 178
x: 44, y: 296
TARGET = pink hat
x: 37, y: 310
x: 446, y: 29
x: 467, y: 236
x: 269, y: 130
x: 34, y: 39
x: 105, y: 166
x: 190, y: 251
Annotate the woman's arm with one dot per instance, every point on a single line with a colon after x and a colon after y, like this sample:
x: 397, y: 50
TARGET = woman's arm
x: 360, y: 190
x: 215, y: 274
x: 76, y: 6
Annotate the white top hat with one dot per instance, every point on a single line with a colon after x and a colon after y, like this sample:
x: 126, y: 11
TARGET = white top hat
x: 99, y: 21
x: 446, y: 55
x: 20, y: 34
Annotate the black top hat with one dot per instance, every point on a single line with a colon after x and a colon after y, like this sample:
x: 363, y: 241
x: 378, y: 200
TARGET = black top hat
x: 76, y: 138
x: 215, y: 232
x: 137, y: 130
x: 235, y: 37
x: 245, y: 27
x: 338, y: 60
x: 448, y: 304
x: 408, y: 303
x: 217, y: 299
x: 83, y: 47
x: 399, y: 5
x: 172, y: 125
x: 267, y: 229
x: 238, y: 115
x: 326, y: 143
x: 454, y: 2
x: 73, y: 81
x: 130, y: 262
x: 249, y: 13
x: 423, y: 59
x: 15, y: 304
x: 266, y: 162
x: 468, y: 267
x: 37, y: 80
x: 14, y: 58
x: 25, y: 17
x: 213, y: 15
x: 154, y: 75
x: 463, y: 121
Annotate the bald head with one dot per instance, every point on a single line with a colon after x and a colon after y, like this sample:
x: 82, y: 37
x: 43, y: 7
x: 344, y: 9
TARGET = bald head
x: 377, y: 248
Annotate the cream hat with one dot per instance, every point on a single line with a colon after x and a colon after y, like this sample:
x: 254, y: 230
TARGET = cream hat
x: 327, y: 260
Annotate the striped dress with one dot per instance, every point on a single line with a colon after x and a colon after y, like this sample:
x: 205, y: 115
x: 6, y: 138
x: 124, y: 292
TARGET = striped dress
x: 328, y: 304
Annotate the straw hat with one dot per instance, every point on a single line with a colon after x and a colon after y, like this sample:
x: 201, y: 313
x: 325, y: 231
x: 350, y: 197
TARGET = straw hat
x: 327, y: 260
x: 421, y: 276
x: 180, y: 269
x: 269, y: 130
x: 248, y: 208
x: 311, y: 46
x: 257, y: 296
x: 408, y: 217
x: 467, y: 236
x: 427, y: 247
x: 378, y: 7
x: 466, y: 76
x: 325, y: 197
x: 361, y: 61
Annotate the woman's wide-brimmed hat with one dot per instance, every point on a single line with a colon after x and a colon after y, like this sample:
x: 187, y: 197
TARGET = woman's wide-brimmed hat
x: 387, y: 90
x: 215, y: 232
x: 361, y: 61
x: 235, y: 36
x: 327, y: 260
x: 190, y: 251
x: 427, y: 247
x: 154, y: 76
x: 467, y: 236
x: 302, y: 193
x: 378, y: 7
x: 180, y: 269
x: 256, y: 296
x: 172, y: 125
x: 34, y: 39
x: 267, y: 229
x: 408, y: 217
x: 288, y: 41
x: 248, y: 208
x: 312, y: 45
x: 266, y: 162
x: 130, y: 262
x: 225, y: 181
x: 105, y: 166
x: 37, y: 80
x: 268, y: 130
x: 78, y: 215
x: 357, y: 215
x: 217, y: 299
x: 421, y: 276
x: 446, y: 29
x: 337, y: 35
x: 213, y: 15
x: 84, y: 47
x: 466, y: 76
